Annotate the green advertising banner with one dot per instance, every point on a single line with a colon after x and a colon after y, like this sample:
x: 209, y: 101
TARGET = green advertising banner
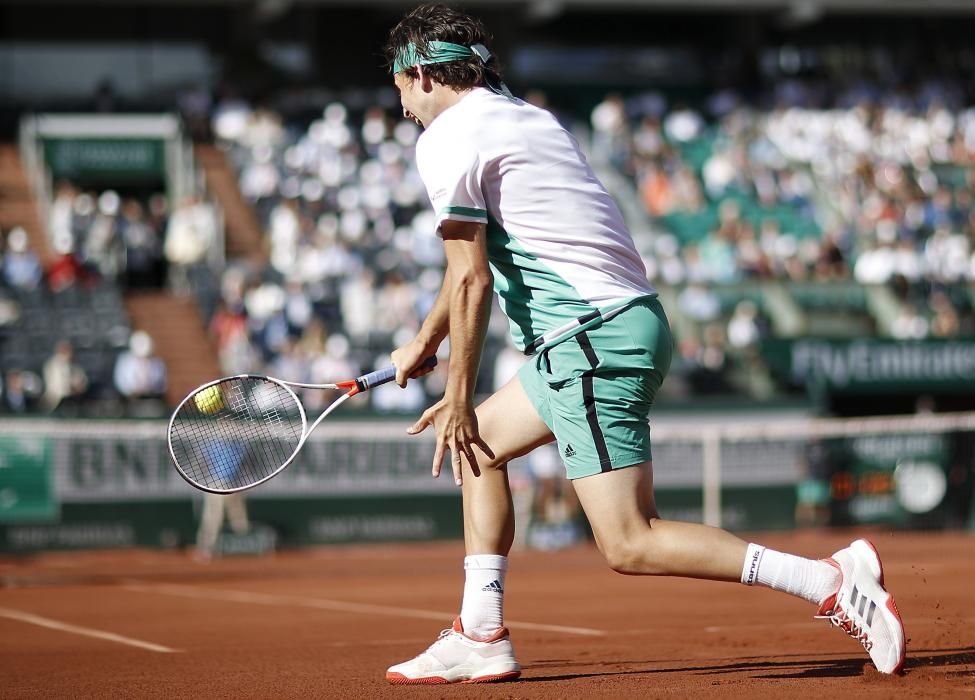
x: 874, y: 365
x: 126, y: 159
x: 25, y: 483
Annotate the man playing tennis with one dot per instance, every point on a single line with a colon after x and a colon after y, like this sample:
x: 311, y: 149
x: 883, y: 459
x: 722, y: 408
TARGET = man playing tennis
x: 519, y: 208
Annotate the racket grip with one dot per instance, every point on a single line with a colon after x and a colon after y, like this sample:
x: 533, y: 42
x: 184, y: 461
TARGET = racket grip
x: 385, y: 375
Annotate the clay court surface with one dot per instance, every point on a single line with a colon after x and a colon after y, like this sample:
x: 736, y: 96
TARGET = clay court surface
x: 325, y: 623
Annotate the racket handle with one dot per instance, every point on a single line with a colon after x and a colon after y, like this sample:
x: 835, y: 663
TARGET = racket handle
x: 385, y: 375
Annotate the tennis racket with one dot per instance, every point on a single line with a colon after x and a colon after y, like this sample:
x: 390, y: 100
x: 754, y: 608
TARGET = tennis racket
x: 234, y: 433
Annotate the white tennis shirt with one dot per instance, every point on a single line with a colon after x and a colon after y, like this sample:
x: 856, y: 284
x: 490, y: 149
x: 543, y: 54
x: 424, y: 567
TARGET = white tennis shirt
x: 556, y: 241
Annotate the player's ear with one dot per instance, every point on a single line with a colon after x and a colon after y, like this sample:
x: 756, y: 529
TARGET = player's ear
x: 426, y: 82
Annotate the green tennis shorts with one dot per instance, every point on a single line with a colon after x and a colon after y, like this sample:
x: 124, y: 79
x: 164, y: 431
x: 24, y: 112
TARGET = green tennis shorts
x: 594, y: 390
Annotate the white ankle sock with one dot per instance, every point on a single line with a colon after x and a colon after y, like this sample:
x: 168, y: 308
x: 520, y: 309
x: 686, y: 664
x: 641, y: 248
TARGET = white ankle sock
x: 482, y: 611
x: 809, y: 579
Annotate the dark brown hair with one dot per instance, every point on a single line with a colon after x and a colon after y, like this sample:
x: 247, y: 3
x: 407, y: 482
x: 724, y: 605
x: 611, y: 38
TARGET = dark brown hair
x: 436, y: 22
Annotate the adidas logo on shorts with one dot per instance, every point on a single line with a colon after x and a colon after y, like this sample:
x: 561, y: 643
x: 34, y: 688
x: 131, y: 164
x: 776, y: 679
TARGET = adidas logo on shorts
x: 569, y: 452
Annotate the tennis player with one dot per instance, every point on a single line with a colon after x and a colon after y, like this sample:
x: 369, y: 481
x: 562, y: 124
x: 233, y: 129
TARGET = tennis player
x: 519, y: 208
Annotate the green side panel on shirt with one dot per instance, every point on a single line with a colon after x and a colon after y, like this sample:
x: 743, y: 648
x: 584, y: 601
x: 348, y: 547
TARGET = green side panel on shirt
x: 533, y: 297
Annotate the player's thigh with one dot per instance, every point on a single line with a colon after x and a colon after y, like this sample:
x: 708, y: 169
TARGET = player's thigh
x: 617, y: 503
x: 510, y: 425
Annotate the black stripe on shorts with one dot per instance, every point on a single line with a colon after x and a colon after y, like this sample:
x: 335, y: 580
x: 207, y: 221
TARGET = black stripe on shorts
x: 589, y: 400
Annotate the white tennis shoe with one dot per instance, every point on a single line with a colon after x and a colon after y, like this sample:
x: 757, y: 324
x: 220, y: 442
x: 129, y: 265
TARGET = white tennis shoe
x: 864, y: 608
x: 458, y: 658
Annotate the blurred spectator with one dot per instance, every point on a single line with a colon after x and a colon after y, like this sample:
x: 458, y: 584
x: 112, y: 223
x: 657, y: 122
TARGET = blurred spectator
x: 704, y: 365
x: 103, y: 247
x: 65, y: 272
x: 831, y: 263
x: 909, y: 324
x: 216, y: 507
x: 396, y: 304
x: 946, y: 322
x: 330, y: 364
x: 609, y: 129
x: 656, y: 190
x: 194, y: 104
x: 61, y: 218
x: 65, y: 382
x: 143, y: 247
x: 284, y: 233
x: 139, y: 373
x: 875, y: 265
x: 683, y: 124
x: 743, y: 328
x: 9, y: 311
x: 554, y: 507
x: 259, y: 179
x: 190, y: 233
x: 288, y: 363
x: 229, y: 331
x: 105, y: 98
x: 698, y: 302
x: 21, y: 268
x: 20, y: 391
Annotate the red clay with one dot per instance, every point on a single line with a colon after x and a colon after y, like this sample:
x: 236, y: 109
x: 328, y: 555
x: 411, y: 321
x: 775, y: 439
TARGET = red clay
x: 326, y: 623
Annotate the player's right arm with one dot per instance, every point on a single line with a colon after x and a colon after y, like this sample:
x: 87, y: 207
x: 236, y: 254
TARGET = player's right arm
x: 435, y: 328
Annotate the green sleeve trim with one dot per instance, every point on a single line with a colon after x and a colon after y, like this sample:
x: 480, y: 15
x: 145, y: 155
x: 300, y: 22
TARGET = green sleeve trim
x: 465, y: 211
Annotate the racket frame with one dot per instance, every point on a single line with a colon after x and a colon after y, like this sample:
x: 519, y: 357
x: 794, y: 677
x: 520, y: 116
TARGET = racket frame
x: 350, y: 388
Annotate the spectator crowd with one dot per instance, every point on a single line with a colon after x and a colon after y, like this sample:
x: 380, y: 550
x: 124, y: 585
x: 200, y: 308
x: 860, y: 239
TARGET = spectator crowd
x: 862, y: 185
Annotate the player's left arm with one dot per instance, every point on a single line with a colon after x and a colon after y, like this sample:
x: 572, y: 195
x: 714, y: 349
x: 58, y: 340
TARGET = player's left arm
x: 468, y: 287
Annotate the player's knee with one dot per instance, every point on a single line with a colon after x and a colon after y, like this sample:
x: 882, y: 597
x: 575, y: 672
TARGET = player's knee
x: 630, y: 558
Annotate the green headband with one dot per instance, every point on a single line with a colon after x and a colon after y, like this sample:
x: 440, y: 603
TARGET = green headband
x: 439, y: 52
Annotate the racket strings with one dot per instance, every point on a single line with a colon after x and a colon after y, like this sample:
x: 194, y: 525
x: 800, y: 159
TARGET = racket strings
x: 236, y: 433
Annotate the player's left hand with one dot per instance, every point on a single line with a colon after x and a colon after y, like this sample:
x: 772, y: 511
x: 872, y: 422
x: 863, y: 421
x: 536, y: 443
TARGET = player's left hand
x: 456, y: 427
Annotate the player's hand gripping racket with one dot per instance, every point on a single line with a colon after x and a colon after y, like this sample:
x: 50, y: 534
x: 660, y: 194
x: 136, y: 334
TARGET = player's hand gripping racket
x: 237, y: 432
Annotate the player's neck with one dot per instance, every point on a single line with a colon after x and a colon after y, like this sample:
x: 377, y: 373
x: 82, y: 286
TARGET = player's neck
x: 446, y: 98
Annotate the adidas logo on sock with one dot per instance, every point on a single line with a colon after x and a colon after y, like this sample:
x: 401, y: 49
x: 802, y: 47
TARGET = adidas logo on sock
x: 494, y: 587
x: 569, y: 452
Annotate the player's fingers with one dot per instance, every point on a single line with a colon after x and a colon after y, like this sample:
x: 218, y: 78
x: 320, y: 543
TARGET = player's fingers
x: 422, y: 371
x: 420, y: 425
x: 484, y: 447
x: 400, y: 377
x: 455, y: 463
x: 471, y: 458
x: 437, y: 459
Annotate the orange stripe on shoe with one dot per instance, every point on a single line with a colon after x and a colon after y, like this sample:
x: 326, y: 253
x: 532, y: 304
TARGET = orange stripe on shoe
x: 400, y: 679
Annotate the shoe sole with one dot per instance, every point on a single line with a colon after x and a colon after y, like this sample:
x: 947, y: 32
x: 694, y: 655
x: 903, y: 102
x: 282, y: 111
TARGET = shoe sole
x: 890, y: 604
x: 400, y: 679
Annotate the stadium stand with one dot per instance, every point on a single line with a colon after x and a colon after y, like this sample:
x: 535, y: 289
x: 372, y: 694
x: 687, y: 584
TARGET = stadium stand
x: 836, y: 206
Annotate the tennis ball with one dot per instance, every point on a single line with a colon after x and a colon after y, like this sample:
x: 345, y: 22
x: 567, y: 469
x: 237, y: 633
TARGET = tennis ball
x: 209, y: 400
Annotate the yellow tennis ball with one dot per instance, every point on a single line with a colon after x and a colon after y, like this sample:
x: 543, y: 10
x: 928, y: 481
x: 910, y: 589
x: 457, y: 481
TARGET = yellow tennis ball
x: 209, y: 400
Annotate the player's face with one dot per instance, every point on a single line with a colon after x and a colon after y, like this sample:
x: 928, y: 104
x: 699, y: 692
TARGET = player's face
x: 409, y: 96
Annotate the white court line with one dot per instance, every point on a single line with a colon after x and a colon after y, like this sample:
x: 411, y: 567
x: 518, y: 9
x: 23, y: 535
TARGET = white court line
x: 336, y: 605
x: 84, y: 631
